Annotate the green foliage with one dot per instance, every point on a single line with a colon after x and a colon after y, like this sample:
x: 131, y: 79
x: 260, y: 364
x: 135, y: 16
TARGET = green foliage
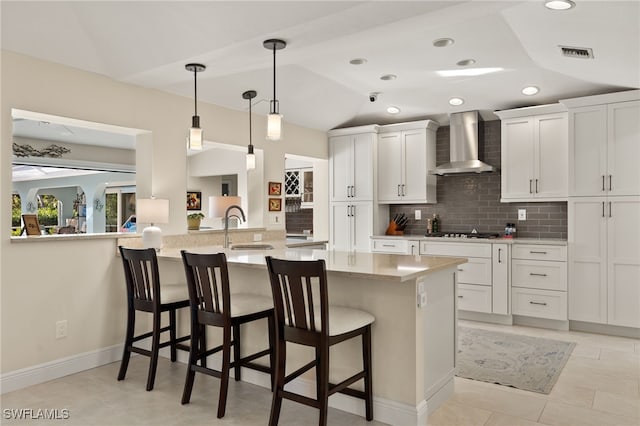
x: 195, y: 215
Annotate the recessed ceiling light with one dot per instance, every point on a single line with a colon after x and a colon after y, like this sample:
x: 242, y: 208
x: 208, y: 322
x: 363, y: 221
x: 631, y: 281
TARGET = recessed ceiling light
x: 393, y: 109
x: 387, y: 77
x: 358, y: 61
x: 468, y: 72
x: 530, y: 90
x: 559, y: 4
x: 466, y: 62
x: 456, y: 101
x: 443, y: 42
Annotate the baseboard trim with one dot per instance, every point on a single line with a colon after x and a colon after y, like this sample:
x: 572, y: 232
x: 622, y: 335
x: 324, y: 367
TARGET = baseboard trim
x: 485, y: 317
x: 55, y: 369
x: 541, y: 323
x: 611, y: 330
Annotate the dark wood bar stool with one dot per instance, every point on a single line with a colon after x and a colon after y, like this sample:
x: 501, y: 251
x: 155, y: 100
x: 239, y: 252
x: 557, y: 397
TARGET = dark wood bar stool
x: 144, y: 293
x: 212, y: 304
x: 302, y: 320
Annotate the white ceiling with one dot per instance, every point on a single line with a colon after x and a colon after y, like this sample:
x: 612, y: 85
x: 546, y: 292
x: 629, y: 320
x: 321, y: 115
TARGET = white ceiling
x: 148, y: 44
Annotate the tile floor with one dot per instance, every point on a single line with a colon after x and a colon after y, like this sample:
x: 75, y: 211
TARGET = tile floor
x: 599, y: 386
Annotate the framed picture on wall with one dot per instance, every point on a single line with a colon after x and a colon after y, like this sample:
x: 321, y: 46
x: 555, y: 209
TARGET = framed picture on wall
x: 275, y: 204
x: 194, y: 200
x: 275, y: 188
x: 31, y: 224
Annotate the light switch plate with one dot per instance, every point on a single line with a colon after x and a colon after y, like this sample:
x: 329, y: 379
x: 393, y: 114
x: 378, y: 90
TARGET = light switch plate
x: 418, y: 214
x: 522, y: 214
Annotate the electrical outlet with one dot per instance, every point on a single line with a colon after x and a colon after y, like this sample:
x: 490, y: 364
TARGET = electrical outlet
x: 257, y: 237
x: 61, y: 329
x: 418, y: 214
x: 522, y: 214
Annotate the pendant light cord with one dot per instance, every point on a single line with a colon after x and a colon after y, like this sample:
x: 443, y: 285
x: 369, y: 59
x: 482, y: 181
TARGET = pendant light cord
x: 274, y: 72
x: 195, y: 90
x: 250, y: 121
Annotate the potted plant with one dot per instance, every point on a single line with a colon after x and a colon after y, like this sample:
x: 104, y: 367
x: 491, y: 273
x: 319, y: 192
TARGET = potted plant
x: 193, y: 221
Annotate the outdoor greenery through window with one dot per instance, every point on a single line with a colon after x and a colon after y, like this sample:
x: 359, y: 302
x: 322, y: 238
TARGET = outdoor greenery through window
x: 47, y: 214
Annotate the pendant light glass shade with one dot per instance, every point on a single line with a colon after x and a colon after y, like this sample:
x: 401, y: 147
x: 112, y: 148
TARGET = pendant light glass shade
x: 195, y: 132
x: 251, y: 157
x: 274, y: 120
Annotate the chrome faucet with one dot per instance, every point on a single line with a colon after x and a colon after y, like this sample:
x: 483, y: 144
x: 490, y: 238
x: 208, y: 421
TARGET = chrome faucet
x: 226, y: 222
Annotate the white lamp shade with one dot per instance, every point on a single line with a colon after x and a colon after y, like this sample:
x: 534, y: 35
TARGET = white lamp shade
x: 251, y: 161
x: 152, y: 237
x: 195, y: 138
x: 274, y: 127
x: 152, y: 210
x: 218, y: 205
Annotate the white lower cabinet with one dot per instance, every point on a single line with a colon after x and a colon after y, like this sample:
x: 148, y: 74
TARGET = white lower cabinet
x: 483, y: 282
x: 394, y: 246
x: 604, y: 266
x: 539, y: 281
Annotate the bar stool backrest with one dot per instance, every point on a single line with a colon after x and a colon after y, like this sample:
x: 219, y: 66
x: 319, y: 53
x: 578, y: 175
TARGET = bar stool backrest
x: 299, y: 290
x: 208, y: 282
x: 142, y: 278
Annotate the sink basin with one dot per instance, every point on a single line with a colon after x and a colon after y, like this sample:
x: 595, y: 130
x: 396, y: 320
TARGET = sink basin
x: 251, y: 247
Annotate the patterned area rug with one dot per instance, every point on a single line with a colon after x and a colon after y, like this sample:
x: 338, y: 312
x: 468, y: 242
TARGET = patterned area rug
x: 527, y: 363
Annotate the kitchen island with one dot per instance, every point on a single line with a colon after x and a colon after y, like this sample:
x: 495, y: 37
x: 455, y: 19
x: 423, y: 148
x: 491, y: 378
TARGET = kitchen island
x: 413, y: 299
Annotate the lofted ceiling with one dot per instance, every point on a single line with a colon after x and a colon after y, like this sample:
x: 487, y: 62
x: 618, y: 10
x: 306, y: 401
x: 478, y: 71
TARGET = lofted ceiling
x: 148, y: 43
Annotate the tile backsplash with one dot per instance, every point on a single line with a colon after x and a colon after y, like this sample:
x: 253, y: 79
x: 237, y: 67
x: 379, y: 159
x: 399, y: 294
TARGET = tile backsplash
x: 471, y: 201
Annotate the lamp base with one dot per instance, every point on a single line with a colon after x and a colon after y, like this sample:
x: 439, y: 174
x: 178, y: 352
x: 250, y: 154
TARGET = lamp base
x: 152, y: 237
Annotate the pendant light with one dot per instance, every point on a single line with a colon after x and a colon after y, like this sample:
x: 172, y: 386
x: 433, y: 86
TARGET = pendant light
x: 251, y: 158
x: 274, y: 121
x: 195, y: 133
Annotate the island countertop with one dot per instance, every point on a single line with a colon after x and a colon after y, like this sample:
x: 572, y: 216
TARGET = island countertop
x: 361, y: 264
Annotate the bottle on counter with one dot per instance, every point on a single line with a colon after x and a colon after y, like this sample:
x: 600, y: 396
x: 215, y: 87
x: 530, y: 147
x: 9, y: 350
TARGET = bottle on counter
x: 429, y: 226
x: 435, y: 223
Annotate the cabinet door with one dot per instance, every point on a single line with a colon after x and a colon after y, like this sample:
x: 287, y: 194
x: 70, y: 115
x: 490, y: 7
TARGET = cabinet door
x: 587, y: 259
x: 340, y: 226
x: 587, y: 150
x: 341, y: 169
x: 500, y: 278
x: 362, y: 167
x: 390, y: 176
x: 517, y: 159
x: 623, y: 150
x: 414, y: 158
x: 551, y: 179
x: 623, y: 257
x: 362, y: 226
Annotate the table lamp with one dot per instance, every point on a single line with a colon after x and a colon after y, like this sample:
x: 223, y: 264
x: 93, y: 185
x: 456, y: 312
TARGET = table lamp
x: 152, y: 211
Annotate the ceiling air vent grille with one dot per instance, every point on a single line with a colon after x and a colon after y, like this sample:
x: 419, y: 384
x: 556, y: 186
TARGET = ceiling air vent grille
x: 577, y: 52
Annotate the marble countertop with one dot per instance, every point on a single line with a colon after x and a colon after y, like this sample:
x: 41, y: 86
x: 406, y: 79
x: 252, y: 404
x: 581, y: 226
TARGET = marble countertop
x: 378, y: 266
x: 541, y: 241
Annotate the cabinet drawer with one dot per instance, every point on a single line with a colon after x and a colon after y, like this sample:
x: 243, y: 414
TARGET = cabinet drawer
x: 475, y: 298
x: 539, y: 252
x: 539, y: 274
x: 455, y: 249
x: 539, y: 303
x: 475, y: 271
x: 390, y: 246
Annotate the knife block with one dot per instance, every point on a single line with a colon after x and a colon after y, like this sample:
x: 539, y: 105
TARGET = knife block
x: 392, y: 229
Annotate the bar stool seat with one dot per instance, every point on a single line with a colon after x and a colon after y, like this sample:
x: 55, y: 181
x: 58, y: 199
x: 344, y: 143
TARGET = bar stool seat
x: 172, y: 293
x: 343, y: 320
x: 246, y: 304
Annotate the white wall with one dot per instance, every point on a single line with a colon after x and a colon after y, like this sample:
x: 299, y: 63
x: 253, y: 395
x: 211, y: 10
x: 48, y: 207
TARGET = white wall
x: 42, y: 282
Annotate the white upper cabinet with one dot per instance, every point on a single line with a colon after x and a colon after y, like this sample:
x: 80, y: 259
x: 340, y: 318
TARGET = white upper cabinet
x: 534, y: 154
x: 604, y: 145
x: 351, y: 165
x: 406, y: 152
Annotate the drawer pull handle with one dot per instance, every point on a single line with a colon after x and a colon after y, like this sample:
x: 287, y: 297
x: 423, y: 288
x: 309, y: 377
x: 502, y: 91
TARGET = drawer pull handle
x: 538, y: 252
x: 388, y: 245
x: 460, y: 297
x: 460, y: 269
x: 537, y: 275
x: 538, y: 303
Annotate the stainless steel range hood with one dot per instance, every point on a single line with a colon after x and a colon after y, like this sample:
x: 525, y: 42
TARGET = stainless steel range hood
x: 464, y: 147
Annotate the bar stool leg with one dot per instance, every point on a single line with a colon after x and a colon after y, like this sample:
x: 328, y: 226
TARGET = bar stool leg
x: 272, y: 350
x: 322, y: 381
x: 236, y: 351
x: 224, y: 379
x: 276, y: 402
x: 203, y: 344
x: 194, y: 352
x: 155, y: 343
x: 128, y: 342
x: 366, y: 362
x: 172, y: 334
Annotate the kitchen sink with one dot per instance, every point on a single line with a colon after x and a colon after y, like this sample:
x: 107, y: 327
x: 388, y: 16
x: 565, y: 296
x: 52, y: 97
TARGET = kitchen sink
x: 252, y: 247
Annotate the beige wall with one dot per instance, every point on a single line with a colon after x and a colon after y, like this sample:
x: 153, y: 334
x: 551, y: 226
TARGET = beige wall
x: 80, y: 281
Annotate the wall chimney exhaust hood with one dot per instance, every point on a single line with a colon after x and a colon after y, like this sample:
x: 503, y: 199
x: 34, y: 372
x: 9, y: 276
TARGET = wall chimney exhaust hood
x: 464, y: 147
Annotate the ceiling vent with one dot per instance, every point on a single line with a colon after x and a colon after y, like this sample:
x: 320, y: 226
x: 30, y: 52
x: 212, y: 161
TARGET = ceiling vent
x: 577, y: 52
